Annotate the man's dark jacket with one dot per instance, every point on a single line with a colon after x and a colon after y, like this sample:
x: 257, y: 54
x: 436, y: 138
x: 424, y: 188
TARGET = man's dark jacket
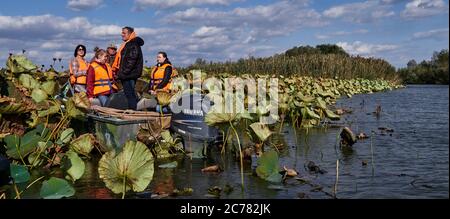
x: 132, y: 62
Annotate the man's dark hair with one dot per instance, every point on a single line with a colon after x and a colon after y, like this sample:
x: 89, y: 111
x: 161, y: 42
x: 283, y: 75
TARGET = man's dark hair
x: 78, y: 47
x: 130, y: 29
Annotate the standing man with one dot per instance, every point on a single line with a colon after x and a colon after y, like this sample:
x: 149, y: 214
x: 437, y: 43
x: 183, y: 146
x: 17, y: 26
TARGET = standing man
x: 129, y: 63
x: 112, y: 51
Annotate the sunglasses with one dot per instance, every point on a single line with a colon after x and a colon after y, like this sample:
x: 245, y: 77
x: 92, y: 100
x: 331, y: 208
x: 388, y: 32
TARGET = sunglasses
x: 80, y: 49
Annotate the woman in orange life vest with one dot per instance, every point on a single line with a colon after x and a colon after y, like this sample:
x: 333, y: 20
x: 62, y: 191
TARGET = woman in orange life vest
x: 161, y: 76
x: 78, y: 68
x: 100, y: 79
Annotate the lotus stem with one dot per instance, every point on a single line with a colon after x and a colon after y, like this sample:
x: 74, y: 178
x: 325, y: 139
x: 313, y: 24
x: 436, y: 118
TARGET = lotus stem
x: 225, y: 141
x: 20, y: 155
x: 240, y: 155
x: 124, y: 186
x: 17, y: 191
x: 337, y: 178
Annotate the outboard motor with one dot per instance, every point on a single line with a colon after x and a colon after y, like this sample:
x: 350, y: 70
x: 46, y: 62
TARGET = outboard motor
x: 190, y: 122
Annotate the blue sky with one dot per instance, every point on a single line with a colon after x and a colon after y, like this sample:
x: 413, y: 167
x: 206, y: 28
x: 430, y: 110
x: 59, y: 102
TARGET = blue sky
x: 220, y: 30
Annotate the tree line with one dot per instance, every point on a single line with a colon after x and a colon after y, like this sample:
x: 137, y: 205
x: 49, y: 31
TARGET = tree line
x: 434, y: 71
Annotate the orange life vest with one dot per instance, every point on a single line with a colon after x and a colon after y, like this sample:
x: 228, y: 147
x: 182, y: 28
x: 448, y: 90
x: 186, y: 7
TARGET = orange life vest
x: 157, y: 76
x: 103, y: 81
x: 82, y: 66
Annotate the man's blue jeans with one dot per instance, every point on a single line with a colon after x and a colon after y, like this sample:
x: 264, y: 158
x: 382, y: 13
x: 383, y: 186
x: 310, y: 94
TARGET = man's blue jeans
x: 103, y: 99
x: 130, y: 93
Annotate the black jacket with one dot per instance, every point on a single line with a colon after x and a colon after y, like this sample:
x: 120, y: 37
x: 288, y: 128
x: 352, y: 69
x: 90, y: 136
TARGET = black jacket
x: 132, y: 61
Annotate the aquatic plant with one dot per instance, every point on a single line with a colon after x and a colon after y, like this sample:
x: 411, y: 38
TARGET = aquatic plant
x: 130, y: 169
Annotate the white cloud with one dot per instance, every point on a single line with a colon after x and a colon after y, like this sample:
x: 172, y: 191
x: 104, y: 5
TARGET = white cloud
x: 143, y: 4
x: 80, y: 5
x: 424, y: 8
x: 51, y: 45
x: 436, y: 34
x: 393, y: 1
x: 341, y: 33
x: 366, y: 49
x: 360, y: 12
x: 57, y: 36
x: 206, y: 31
x: 277, y: 19
x: 41, y: 26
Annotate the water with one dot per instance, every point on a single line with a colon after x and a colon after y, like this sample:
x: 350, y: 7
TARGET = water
x: 410, y: 162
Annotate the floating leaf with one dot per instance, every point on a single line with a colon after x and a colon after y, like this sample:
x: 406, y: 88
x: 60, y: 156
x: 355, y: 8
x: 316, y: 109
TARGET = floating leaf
x: 167, y: 137
x: 81, y: 100
x: 11, y: 106
x: 268, y: 168
x: 19, y: 64
x: 49, y: 87
x: 72, y: 110
x: 331, y: 115
x: 56, y: 188
x: 36, y: 158
x: 83, y: 144
x: 321, y: 104
x: 17, y: 147
x: 261, y: 130
x: 309, y: 113
x: 28, y: 81
x: 50, y: 111
x: 73, y: 165
x: 19, y: 173
x: 38, y: 95
x: 132, y: 166
x: 66, y: 135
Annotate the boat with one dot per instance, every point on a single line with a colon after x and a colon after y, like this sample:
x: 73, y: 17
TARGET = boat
x: 113, y: 124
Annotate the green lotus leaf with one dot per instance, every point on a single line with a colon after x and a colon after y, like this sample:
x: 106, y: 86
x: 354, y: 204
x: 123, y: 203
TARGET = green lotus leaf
x: 20, y: 64
x: 83, y: 144
x: 19, y: 173
x: 28, y: 81
x: 130, y: 169
x: 73, y: 165
x: 331, y: 115
x: 38, y: 95
x: 261, y: 130
x: 56, y: 188
x: 66, y: 136
x: 268, y: 167
x: 49, y: 87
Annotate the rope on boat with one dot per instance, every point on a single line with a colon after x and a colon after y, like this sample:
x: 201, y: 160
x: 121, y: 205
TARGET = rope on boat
x: 129, y: 114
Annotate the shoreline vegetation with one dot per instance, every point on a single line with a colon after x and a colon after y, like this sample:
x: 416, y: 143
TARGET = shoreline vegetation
x: 331, y: 61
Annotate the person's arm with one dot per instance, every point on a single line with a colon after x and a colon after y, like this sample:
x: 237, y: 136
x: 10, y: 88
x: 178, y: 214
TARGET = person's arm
x: 74, y: 65
x: 90, y: 81
x: 166, y: 79
x: 76, y: 69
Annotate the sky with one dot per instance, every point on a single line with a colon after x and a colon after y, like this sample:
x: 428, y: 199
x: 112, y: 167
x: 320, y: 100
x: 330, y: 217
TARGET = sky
x: 222, y: 30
